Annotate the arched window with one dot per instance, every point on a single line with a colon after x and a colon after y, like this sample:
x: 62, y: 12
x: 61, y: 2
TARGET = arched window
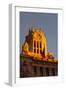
x: 34, y: 50
x: 37, y: 50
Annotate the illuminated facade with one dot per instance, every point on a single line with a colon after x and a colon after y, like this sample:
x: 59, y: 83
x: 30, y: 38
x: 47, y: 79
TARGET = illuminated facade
x: 35, y: 58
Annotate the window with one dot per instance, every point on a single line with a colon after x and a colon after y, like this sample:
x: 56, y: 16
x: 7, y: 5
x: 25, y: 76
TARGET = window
x: 41, y: 71
x: 34, y: 50
x: 37, y: 47
x: 35, y: 70
x: 53, y: 71
x: 34, y: 44
x: 37, y: 50
x: 47, y: 71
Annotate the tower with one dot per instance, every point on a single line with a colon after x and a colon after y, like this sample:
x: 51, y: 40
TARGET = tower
x: 35, y: 43
x: 35, y: 60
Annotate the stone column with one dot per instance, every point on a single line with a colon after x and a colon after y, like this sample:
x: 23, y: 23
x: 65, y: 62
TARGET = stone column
x: 36, y: 46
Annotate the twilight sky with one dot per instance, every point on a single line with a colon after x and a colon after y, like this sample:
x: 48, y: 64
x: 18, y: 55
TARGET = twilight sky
x: 49, y: 24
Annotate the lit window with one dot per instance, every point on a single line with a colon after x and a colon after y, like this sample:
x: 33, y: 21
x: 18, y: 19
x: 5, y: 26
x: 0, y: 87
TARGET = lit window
x: 34, y: 50
x: 37, y: 50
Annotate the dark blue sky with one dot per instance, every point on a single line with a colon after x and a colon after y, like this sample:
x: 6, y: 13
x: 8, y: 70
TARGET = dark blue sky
x: 47, y: 21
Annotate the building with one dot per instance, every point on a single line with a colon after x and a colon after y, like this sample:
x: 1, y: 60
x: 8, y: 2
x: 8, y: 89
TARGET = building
x: 35, y: 60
